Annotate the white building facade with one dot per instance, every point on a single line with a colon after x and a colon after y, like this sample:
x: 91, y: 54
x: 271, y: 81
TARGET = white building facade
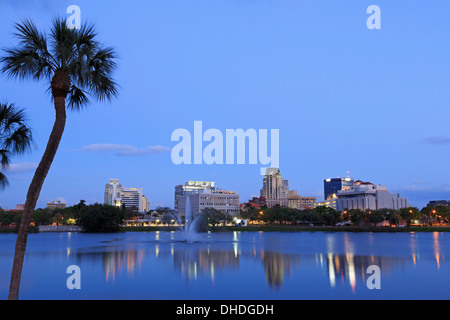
x: 367, y: 196
x: 225, y: 201
x: 192, y: 187
x: 112, y: 193
x: 118, y: 196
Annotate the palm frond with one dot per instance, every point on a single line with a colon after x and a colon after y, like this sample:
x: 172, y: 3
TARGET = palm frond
x: 15, y: 136
x: 20, y: 140
x: 31, y: 58
x: 63, y: 40
x: 77, y: 98
x: 102, y: 87
x: 4, y: 158
x: 3, y: 181
x: 75, y: 52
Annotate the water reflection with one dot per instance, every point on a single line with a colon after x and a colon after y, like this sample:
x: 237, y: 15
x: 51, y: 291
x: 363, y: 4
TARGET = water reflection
x: 437, y: 249
x: 192, y: 263
x: 276, y: 265
x: 114, y: 262
x: 207, y: 260
x: 349, y: 268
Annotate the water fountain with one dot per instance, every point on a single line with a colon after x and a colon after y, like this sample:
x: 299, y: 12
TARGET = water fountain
x: 187, y: 231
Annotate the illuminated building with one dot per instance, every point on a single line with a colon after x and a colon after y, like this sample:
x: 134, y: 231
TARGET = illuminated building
x: 192, y: 187
x: 295, y: 201
x: 274, y: 187
x: 56, y: 205
x: 366, y: 195
x: 225, y: 201
x: 112, y: 193
x: 327, y: 203
x: 132, y: 198
x: 116, y: 195
x: 332, y: 186
x: 275, y: 192
x: 145, y: 204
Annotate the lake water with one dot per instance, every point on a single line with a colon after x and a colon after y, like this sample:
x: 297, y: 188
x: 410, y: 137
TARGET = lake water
x: 231, y: 266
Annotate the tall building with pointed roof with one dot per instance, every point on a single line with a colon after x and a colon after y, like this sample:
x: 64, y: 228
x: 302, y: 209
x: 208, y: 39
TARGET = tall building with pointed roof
x: 274, y: 187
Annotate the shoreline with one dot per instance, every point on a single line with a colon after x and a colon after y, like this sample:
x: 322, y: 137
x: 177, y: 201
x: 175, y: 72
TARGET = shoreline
x: 274, y: 228
x: 267, y: 228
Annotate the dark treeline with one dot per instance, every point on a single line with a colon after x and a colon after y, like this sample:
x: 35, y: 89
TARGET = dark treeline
x: 328, y: 216
x: 104, y: 218
x: 93, y: 218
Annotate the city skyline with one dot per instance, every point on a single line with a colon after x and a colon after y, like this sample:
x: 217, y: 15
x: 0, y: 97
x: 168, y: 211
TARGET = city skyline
x: 117, y: 195
x: 312, y: 67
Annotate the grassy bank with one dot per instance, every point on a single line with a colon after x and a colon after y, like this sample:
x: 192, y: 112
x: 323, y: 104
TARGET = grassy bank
x: 273, y: 228
x: 278, y: 228
x: 7, y: 230
x: 148, y: 229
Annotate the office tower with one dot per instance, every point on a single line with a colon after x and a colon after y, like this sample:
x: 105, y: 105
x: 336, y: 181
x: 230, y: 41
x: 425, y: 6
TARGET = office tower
x: 276, y: 191
x: 273, y: 185
x: 145, y: 204
x: 112, y: 193
x: 132, y: 198
x: 284, y: 190
x: 332, y: 186
x: 192, y: 187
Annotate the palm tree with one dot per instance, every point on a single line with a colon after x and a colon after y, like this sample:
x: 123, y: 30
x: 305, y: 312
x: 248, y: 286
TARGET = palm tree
x: 76, y: 66
x: 15, y: 136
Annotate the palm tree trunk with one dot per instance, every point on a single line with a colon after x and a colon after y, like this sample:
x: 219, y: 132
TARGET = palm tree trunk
x: 33, y: 194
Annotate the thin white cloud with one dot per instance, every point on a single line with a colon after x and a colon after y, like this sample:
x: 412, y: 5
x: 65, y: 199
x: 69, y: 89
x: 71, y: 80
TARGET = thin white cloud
x: 125, y: 150
x: 21, y: 167
x: 438, y: 140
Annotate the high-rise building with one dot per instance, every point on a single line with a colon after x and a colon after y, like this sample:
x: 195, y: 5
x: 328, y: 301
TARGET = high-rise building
x: 145, y: 204
x: 366, y: 195
x: 274, y: 187
x: 276, y: 191
x: 132, y: 198
x: 112, y: 193
x: 116, y: 195
x: 332, y: 186
x: 192, y: 187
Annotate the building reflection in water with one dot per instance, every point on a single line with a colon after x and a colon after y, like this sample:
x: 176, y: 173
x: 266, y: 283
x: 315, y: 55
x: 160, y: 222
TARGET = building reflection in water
x: 198, y: 260
x: 349, y: 268
x: 116, y: 261
x: 192, y: 263
x: 276, y: 265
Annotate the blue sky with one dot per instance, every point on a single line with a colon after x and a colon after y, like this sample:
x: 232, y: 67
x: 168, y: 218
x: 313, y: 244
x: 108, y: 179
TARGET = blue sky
x: 345, y: 98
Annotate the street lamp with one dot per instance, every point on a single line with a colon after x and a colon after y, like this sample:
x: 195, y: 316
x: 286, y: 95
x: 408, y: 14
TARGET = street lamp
x: 434, y: 212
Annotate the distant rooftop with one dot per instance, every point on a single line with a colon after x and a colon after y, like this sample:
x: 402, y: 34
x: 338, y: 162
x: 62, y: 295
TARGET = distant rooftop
x: 272, y: 171
x: 359, y: 182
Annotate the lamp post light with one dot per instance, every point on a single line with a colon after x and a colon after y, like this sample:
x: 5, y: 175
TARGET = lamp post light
x: 434, y: 212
